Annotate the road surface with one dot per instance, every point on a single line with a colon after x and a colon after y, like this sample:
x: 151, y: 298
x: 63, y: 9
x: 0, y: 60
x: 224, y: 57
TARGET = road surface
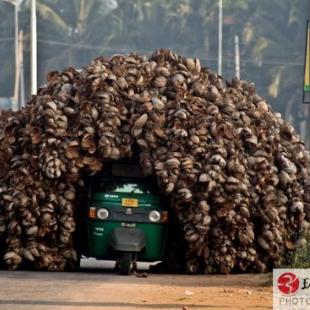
x: 96, y: 288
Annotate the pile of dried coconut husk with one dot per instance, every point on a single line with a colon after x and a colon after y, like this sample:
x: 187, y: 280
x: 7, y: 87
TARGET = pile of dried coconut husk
x: 235, y: 170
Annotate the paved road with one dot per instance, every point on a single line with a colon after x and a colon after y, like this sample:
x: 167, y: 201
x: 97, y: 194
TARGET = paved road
x: 99, y: 288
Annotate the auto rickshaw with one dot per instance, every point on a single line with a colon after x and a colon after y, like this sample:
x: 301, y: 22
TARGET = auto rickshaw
x: 127, y: 218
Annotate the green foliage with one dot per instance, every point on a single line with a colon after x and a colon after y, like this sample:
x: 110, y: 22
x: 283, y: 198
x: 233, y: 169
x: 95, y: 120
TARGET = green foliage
x: 50, y: 16
x: 6, y: 50
x: 301, y: 258
x: 275, y: 32
x: 299, y: 255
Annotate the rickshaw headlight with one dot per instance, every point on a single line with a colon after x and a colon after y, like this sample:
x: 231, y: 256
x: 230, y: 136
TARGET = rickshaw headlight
x: 102, y: 214
x: 154, y: 216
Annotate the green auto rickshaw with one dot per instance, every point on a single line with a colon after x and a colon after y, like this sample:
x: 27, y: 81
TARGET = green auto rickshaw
x: 127, y: 218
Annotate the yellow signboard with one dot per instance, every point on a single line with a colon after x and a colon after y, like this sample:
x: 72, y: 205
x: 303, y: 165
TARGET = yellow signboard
x: 307, y: 66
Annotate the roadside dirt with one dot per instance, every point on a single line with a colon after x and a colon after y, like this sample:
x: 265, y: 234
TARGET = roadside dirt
x: 90, y: 289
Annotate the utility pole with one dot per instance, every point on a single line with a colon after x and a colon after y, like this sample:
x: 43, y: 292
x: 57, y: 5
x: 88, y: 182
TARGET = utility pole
x: 220, y: 37
x: 16, y: 87
x: 21, y: 63
x: 33, y: 48
x: 237, y: 58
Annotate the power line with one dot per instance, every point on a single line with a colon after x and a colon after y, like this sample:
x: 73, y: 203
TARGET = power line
x: 123, y: 49
x: 7, y: 39
x: 147, y: 51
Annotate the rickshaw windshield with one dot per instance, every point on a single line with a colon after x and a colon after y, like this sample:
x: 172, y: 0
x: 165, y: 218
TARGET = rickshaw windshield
x: 123, y: 187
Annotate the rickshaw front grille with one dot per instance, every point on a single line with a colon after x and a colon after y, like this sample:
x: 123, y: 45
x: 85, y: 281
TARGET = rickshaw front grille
x: 120, y: 215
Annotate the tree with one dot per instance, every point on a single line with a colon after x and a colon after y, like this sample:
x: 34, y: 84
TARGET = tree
x: 6, y: 49
x: 277, y: 45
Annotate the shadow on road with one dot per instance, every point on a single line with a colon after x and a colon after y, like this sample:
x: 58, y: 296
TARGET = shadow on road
x: 110, y: 304
x: 102, y: 271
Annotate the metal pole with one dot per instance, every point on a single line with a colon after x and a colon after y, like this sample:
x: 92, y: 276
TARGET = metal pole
x: 220, y: 37
x: 237, y: 57
x: 21, y: 61
x: 16, y: 86
x: 33, y: 48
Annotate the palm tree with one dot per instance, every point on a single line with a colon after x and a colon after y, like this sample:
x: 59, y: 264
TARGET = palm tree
x: 7, y: 49
x: 277, y: 43
x: 68, y: 30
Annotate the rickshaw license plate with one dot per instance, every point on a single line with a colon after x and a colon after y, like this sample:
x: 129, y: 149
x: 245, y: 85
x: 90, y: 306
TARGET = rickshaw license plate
x: 130, y: 202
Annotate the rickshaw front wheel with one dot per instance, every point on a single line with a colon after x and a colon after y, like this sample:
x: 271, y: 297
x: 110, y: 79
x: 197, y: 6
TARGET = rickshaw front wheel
x: 125, y: 263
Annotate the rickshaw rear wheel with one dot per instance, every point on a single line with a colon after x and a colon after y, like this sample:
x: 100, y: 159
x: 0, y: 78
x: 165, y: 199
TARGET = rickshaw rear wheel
x: 3, y: 266
x: 125, y: 263
x: 77, y: 263
x: 74, y: 266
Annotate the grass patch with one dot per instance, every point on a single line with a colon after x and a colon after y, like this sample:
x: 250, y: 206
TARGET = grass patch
x: 301, y: 257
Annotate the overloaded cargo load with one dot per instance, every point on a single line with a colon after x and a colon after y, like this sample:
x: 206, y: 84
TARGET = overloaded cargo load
x: 237, y: 174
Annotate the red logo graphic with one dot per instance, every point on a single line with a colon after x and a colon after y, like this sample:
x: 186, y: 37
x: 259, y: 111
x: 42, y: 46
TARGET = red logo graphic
x: 288, y: 283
